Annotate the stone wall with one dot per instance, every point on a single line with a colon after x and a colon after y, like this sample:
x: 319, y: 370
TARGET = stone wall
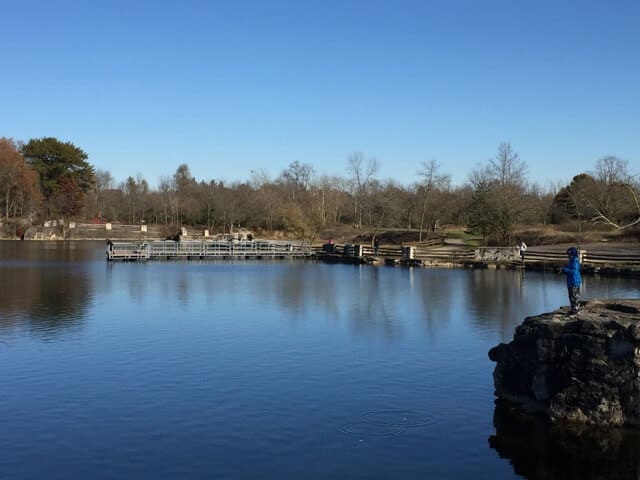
x: 89, y: 231
x: 497, y: 254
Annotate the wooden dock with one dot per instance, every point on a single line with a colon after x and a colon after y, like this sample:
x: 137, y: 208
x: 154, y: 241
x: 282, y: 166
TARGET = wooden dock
x: 205, y: 249
x: 429, y: 256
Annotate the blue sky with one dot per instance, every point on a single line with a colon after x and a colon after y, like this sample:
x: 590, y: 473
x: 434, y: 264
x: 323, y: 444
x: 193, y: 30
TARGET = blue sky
x: 234, y: 86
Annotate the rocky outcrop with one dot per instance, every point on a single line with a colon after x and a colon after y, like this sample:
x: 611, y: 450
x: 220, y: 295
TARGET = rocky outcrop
x: 44, y: 233
x: 497, y: 254
x: 582, y: 369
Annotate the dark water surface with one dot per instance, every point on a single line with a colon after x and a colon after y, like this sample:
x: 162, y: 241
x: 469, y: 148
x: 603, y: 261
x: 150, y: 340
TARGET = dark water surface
x: 272, y: 370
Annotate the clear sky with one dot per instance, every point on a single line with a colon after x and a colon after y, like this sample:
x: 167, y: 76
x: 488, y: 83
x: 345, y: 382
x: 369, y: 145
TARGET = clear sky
x: 233, y: 86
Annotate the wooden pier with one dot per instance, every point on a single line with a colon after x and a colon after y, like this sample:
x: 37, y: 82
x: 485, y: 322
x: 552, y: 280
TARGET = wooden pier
x: 205, y: 249
x: 429, y: 256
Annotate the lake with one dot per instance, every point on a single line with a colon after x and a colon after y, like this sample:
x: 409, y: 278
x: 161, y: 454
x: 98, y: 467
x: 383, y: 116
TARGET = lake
x: 273, y: 369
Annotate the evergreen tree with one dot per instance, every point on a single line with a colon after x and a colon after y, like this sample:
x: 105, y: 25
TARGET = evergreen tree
x: 64, y: 172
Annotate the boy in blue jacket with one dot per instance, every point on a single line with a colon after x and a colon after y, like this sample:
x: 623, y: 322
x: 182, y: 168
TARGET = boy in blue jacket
x: 572, y: 269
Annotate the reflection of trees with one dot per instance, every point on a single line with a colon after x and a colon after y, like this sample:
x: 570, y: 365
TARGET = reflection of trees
x: 47, y: 288
x: 438, y: 295
x: 46, y: 300
x: 495, y: 297
x: 500, y: 297
x: 372, y: 304
x: 503, y: 298
x: 538, y: 450
x: 340, y: 292
x: 372, y: 300
x: 303, y: 290
x: 294, y: 288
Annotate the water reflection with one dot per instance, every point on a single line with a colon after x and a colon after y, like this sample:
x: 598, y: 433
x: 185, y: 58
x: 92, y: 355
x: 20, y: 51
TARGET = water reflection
x: 52, y: 285
x: 538, y: 450
x: 261, y: 353
x: 438, y: 296
x: 367, y: 298
x: 498, y: 297
x: 44, y: 287
x: 373, y: 305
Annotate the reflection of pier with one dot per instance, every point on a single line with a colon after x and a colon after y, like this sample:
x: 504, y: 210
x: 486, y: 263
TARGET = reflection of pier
x: 203, y: 249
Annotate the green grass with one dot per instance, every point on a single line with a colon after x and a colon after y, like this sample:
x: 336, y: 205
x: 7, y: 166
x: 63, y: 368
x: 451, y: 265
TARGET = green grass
x: 469, y: 239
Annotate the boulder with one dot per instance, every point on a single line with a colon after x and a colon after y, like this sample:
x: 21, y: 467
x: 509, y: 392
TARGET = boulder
x: 580, y: 369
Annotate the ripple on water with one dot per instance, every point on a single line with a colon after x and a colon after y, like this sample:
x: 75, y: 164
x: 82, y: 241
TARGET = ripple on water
x: 386, y: 422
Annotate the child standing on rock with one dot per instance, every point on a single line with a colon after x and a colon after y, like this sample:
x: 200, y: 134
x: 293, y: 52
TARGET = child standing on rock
x: 574, y: 280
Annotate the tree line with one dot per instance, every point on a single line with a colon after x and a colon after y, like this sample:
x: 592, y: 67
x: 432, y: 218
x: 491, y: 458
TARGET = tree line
x: 47, y: 178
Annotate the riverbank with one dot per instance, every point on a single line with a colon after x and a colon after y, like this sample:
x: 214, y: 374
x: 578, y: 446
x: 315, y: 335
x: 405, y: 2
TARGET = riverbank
x: 452, y: 249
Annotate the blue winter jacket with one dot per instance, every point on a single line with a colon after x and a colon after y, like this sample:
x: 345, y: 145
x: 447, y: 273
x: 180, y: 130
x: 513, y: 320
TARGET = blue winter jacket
x: 572, y: 269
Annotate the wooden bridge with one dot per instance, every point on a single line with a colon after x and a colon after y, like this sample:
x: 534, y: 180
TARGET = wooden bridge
x: 203, y: 249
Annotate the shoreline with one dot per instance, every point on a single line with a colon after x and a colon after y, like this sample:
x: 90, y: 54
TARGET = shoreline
x: 609, y: 269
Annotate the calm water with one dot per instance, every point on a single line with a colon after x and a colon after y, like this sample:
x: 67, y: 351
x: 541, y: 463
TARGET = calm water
x: 272, y: 370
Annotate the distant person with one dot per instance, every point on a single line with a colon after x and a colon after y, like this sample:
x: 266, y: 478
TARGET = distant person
x: 574, y: 280
x: 376, y: 246
x: 329, y: 247
x: 522, y: 248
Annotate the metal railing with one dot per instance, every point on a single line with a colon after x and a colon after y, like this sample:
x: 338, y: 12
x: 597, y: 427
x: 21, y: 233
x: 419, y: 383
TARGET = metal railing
x: 206, y: 249
x: 158, y: 249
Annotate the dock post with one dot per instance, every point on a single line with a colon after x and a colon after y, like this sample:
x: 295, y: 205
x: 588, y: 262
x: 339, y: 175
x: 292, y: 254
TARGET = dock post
x: 408, y: 253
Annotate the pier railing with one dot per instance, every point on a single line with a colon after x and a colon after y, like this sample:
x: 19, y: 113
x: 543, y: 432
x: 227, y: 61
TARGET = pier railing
x: 163, y: 249
x: 435, y: 255
x: 424, y: 254
x: 558, y: 257
x: 432, y: 255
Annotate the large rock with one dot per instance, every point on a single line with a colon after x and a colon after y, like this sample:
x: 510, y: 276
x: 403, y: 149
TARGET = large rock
x: 583, y: 369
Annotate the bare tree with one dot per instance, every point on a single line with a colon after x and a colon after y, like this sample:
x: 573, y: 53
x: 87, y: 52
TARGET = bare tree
x: 381, y: 201
x: 432, y: 181
x: 632, y: 192
x: 18, y: 181
x: 607, y: 195
x: 296, y: 178
x: 541, y: 202
x: 168, y: 200
x: 499, y: 200
x: 268, y: 196
x: 11, y: 162
x: 612, y: 169
x: 362, y: 173
x: 614, y: 194
x: 183, y: 183
x: 507, y: 169
x: 331, y: 199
